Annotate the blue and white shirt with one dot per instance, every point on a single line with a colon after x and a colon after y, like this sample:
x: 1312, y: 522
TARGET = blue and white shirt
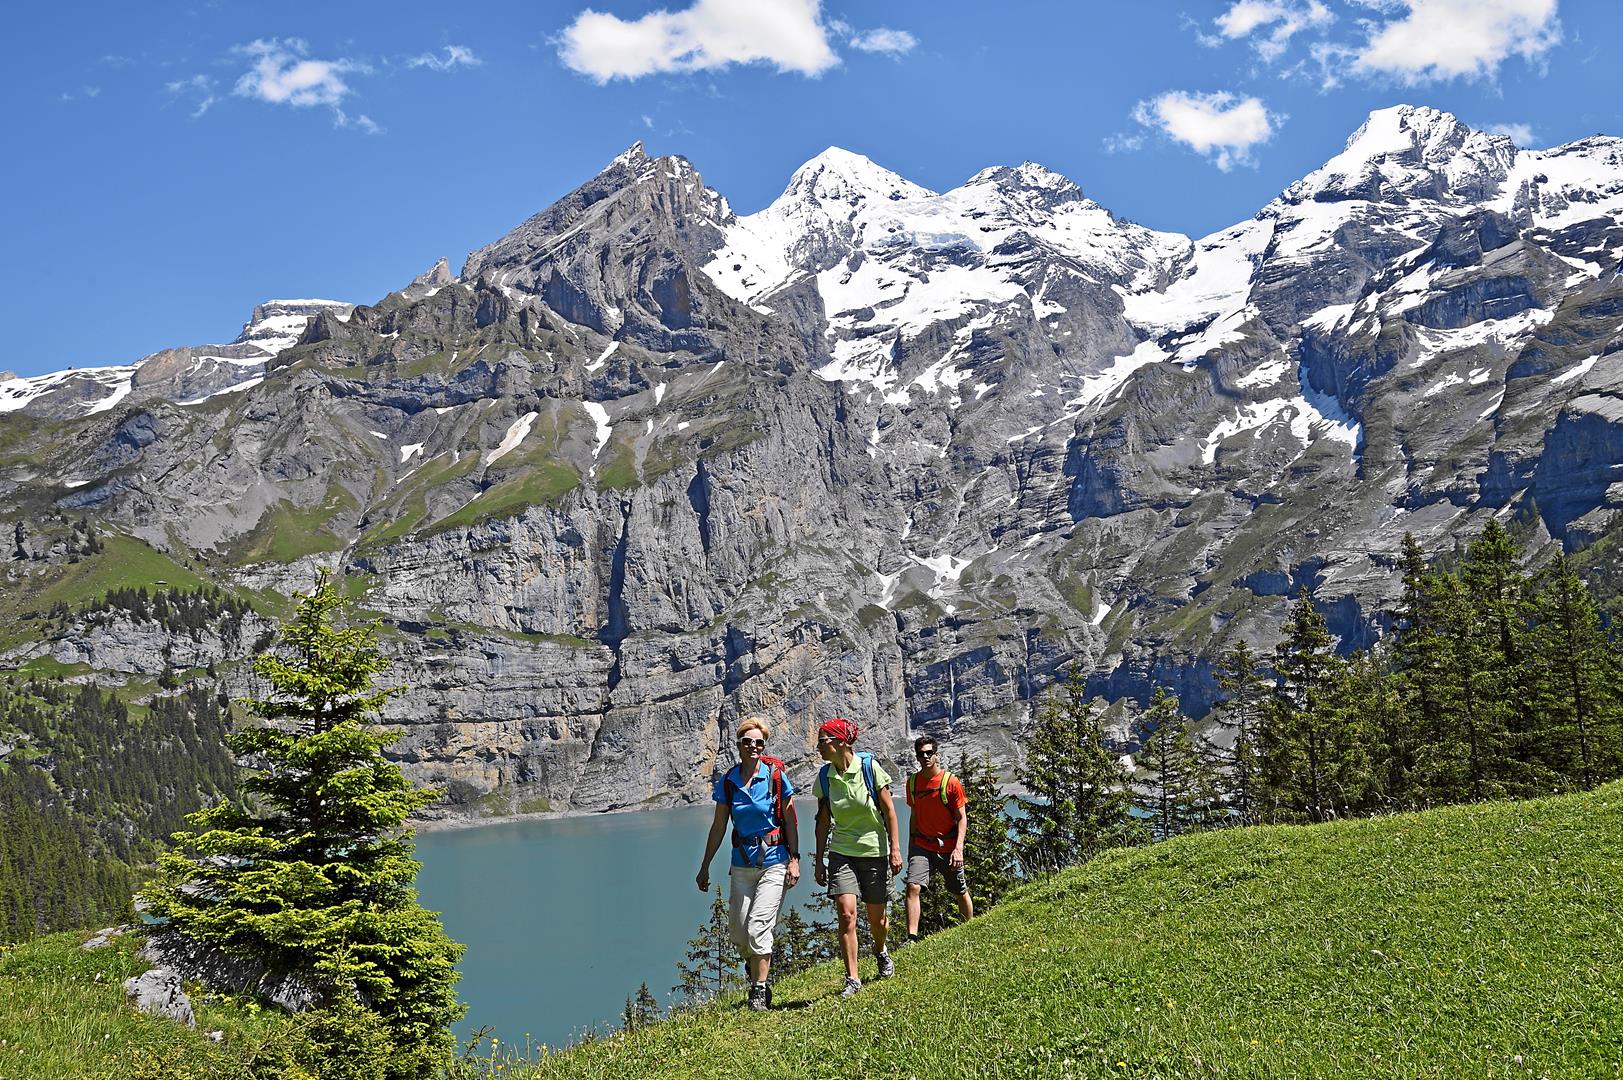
x: 751, y: 806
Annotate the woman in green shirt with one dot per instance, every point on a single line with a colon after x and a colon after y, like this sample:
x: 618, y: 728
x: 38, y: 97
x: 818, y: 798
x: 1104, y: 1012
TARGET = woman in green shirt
x: 854, y: 805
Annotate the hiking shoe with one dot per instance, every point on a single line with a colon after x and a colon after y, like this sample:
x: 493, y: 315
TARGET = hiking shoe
x: 851, y: 986
x: 758, y: 998
x: 768, y: 994
x: 887, y: 966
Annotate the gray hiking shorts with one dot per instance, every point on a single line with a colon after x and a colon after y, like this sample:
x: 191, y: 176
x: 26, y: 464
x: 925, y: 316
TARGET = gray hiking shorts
x: 854, y: 875
x: 921, y: 863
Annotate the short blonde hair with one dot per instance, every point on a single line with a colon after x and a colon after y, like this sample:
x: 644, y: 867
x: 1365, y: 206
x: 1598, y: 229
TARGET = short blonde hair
x: 758, y: 724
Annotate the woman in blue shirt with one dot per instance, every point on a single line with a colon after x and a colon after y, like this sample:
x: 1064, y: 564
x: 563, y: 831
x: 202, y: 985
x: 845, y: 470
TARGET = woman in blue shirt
x: 756, y: 796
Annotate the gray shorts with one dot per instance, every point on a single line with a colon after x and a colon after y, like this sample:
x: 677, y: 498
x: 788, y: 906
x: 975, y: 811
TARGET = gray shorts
x: 921, y: 862
x: 854, y: 875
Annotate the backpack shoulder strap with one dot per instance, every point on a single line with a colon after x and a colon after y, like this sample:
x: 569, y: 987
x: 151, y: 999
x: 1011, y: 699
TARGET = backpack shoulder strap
x: 946, y: 778
x: 777, y: 794
x: 822, y: 782
x: 869, y: 779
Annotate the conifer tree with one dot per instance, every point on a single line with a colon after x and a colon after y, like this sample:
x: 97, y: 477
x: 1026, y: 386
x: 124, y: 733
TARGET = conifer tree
x: 1498, y: 597
x: 1313, y: 761
x: 1370, y: 710
x: 1169, y: 769
x: 1577, y: 676
x: 1239, y: 716
x: 1420, y: 662
x: 1077, y: 801
x: 313, y: 874
x: 797, y: 945
x: 641, y: 1009
x: 708, y: 969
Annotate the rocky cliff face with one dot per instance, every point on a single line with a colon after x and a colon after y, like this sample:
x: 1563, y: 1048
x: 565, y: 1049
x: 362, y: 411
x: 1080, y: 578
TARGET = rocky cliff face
x: 646, y: 466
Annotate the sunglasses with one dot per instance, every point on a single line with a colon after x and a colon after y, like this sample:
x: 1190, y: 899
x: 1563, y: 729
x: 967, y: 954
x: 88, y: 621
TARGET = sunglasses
x: 757, y: 743
x: 824, y: 740
x: 924, y: 754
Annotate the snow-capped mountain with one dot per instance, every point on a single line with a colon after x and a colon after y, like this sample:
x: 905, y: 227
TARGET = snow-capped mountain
x: 187, y: 375
x: 647, y: 464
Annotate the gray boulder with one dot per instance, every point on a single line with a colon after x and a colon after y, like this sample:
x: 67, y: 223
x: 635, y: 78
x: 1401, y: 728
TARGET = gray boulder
x: 159, y: 993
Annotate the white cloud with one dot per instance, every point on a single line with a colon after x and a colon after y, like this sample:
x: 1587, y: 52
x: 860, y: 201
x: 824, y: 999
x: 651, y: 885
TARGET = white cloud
x: 1446, y: 39
x: 1520, y: 134
x: 283, y: 75
x: 83, y: 93
x: 199, y: 89
x: 884, y: 40
x: 707, y: 35
x: 1283, y: 18
x: 455, y: 56
x: 1246, y: 15
x: 1222, y: 126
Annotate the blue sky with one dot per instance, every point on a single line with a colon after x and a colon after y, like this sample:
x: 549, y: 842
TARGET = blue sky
x: 173, y: 164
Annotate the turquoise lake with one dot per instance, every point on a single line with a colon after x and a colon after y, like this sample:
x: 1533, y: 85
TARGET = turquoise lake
x: 564, y: 917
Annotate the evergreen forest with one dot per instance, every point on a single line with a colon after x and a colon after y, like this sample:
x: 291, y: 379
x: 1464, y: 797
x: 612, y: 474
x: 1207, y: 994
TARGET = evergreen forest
x: 89, y: 787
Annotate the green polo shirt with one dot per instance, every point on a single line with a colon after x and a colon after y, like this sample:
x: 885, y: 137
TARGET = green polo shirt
x: 859, y: 828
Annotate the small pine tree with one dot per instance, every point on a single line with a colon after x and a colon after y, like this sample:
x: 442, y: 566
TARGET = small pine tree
x: 313, y: 875
x: 797, y: 945
x: 1077, y: 802
x: 708, y: 969
x: 641, y: 1009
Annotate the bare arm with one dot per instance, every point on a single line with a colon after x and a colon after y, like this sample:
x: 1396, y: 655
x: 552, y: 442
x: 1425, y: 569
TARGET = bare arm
x: 718, y: 829
x: 791, y: 837
x: 962, y: 815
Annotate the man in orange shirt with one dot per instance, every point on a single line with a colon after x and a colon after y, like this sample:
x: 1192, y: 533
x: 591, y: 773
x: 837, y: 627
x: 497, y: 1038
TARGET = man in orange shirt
x: 940, y: 823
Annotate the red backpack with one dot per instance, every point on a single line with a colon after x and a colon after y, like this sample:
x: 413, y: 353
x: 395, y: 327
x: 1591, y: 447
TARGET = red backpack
x: 775, y: 778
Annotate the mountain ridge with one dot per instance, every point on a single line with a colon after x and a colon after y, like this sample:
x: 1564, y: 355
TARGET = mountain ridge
x: 647, y: 465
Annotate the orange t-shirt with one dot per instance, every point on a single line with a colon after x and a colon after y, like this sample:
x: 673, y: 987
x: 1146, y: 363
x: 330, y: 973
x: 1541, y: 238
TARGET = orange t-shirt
x: 935, y: 828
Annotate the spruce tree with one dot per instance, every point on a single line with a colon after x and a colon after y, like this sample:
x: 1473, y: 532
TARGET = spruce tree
x: 1577, y: 679
x: 1370, y: 711
x: 1500, y: 609
x: 641, y: 1009
x: 312, y: 873
x: 708, y: 969
x: 1169, y: 769
x: 1239, y: 717
x: 1312, y: 757
x: 798, y: 945
x: 1077, y: 800
x: 1420, y: 663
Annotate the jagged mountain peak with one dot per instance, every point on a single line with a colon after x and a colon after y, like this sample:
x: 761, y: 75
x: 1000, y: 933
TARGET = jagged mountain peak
x: 633, y: 155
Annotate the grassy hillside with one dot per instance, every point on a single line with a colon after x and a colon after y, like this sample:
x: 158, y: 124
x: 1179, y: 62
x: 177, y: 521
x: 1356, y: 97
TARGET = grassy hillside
x: 1477, y: 941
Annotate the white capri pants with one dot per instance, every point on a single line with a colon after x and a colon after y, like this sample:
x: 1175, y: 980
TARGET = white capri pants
x: 754, y: 897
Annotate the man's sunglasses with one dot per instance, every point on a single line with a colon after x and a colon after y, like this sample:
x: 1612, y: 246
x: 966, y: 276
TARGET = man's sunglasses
x: 824, y: 740
x: 757, y: 743
x: 922, y: 754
